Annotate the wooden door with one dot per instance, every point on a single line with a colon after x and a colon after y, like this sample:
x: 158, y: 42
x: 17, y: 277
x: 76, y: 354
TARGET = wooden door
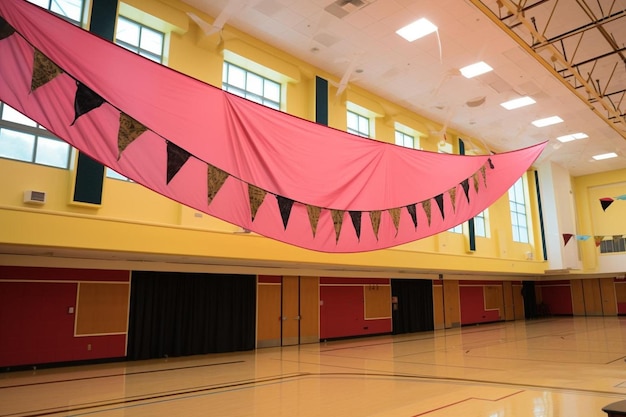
x: 291, y: 311
x: 268, y: 314
x: 309, y: 310
x: 451, y: 302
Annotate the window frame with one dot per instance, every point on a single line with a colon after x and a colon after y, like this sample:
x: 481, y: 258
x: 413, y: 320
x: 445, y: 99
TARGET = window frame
x: 359, y: 118
x: 260, y: 98
x: 517, y: 199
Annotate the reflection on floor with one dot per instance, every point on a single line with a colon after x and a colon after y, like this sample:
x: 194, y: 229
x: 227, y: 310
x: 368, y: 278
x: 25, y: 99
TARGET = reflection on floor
x: 543, y: 368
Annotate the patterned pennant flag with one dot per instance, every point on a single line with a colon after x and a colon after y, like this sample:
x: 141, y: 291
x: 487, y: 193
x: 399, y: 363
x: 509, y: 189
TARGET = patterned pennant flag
x: 176, y: 158
x: 215, y: 179
x: 439, y: 200
x: 476, y: 183
x: 413, y: 212
x: 483, y: 171
x: 130, y: 129
x: 256, y: 196
x: 452, y: 192
x: 314, y: 217
x: 338, y: 222
x: 6, y: 30
x: 375, y: 220
x: 566, y: 238
x: 598, y: 240
x: 44, y: 71
x: 85, y: 101
x: 284, y: 205
x: 465, y: 185
x: 606, y: 202
x: 395, y: 216
x: 356, y: 222
x: 426, y: 207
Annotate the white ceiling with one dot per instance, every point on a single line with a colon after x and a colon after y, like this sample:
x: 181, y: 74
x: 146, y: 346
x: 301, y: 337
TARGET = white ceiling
x: 423, y: 75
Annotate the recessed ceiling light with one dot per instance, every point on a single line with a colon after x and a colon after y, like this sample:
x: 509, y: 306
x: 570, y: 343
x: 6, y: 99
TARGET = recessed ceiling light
x: 417, y: 29
x: 517, y: 103
x: 573, y: 136
x: 547, y: 121
x: 475, y: 69
x: 604, y: 156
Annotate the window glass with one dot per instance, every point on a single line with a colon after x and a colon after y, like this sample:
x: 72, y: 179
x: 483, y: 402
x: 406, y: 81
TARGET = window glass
x: 403, y: 139
x: 517, y: 204
x: 358, y: 124
x: 254, y: 87
x: 52, y: 152
x: 16, y: 145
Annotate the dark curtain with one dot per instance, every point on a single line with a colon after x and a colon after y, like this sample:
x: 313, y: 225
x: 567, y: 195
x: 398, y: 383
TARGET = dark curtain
x: 414, y: 310
x: 178, y: 314
x: 530, y: 299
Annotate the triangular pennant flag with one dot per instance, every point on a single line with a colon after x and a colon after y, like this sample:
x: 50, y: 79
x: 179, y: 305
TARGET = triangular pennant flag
x: 452, y: 192
x: 256, y: 196
x: 483, y: 171
x: 413, y: 212
x: 465, y: 185
x: 621, y: 197
x: 85, y: 101
x: 314, y: 217
x: 176, y: 158
x: 566, y: 238
x: 490, y: 163
x: 130, y: 129
x: 395, y: 216
x: 215, y: 179
x: 356, y: 222
x: 426, y: 207
x: 583, y: 237
x: 337, y: 221
x: 439, y: 200
x: 598, y: 240
x: 606, y: 202
x: 375, y: 220
x: 44, y: 71
x: 475, y: 178
x: 284, y: 205
x: 6, y: 30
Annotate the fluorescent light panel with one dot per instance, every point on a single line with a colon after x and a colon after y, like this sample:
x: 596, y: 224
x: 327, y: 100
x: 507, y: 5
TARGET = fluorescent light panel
x: 417, y: 29
x: 571, y: 137
x: 604, y: 156
x: 547, y: 121
x: 475, y: 69
x: 517, y: 103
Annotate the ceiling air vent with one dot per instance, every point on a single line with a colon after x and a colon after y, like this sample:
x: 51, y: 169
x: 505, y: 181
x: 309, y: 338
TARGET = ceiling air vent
x: 34, y: 197
x: 342, y: 8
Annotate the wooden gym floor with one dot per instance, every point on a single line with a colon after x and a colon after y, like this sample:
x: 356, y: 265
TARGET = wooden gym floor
x: 560, y: 366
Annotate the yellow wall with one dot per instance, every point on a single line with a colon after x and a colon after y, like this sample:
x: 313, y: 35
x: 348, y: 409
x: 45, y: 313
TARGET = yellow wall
x: 134, y: 219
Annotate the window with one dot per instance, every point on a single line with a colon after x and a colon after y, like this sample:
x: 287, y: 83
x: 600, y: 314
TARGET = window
x: 403, y: 139
x: 616, y: 244
x: 519, y: 220
x: 71, y: 10
x: 143, y: 41
x: 358, y: 124
x: 250, y: 85
x: 480, y: 224
x: 457, y: 229
x: 140, y: 39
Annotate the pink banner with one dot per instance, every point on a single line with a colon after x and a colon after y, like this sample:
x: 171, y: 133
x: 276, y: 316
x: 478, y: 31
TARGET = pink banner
x: 280, y: 176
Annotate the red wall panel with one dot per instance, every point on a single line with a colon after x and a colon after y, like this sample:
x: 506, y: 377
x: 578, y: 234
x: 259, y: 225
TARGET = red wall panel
x: 342, y: 313
x: 473, y: 306
x: 558, y: 298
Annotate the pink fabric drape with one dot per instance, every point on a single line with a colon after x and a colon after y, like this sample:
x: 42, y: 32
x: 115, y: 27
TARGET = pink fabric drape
x: 280, y: 176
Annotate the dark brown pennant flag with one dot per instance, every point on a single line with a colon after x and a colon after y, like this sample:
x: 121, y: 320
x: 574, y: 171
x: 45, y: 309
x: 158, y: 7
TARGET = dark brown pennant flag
x: 314, y: 216
x: 85, y: 101
x: 566, y: 238
x: 6, y: 30
x: 256, y: 196
x: 129, y: 130
x: 375, y: 220
x: 606, y: 202
x: 490, y: 163
x: 44, y: 71
x: 439, y: 200
x: 284, y: 205
x: 426, y: 207
x: 215, y: 179
x: 356, y: 222
x: 395, y: 216
x: 465, y: 185
x: 337, y: 221
x: 176, y: 158
x: 413, y: 212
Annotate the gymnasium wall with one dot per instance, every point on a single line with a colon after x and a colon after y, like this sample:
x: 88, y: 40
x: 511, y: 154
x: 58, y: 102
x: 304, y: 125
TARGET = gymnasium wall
x: 481, y: 302
x: 62, y: 315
